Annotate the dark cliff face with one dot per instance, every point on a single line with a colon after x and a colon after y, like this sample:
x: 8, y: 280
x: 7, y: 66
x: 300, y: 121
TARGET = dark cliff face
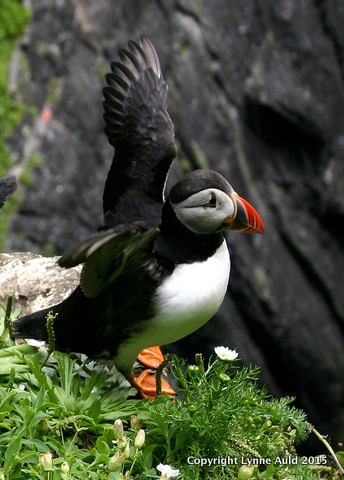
x: 256, y: 93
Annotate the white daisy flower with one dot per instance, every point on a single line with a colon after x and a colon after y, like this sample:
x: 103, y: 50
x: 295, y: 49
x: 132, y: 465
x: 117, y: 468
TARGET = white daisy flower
x: 167, y: 472
x: 225, y: 353
x: 35, y: 343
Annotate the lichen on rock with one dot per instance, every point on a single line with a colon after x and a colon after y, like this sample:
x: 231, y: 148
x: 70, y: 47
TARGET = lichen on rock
x: 36, y: 282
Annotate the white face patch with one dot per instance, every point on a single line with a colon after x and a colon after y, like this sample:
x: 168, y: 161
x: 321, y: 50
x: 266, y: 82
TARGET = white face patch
x: 197, y: 213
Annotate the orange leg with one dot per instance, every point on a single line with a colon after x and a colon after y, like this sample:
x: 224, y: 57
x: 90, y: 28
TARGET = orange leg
x: 151, y: 357
x: 145, y: 382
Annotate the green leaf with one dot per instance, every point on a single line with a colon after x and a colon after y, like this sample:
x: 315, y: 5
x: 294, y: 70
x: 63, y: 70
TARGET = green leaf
x: 39, y: 399
x: 66, y: 401
x: 340, y: 456
x: 148, y: 456
x: 11, y: 454
x: 65, y: 365
x: 39, y: 444
x: 56, y: 444
x: 103, y: 458
x: 94, y: 410
x: 181, y: 439
x: 102, y: 446
x: 268, y: 473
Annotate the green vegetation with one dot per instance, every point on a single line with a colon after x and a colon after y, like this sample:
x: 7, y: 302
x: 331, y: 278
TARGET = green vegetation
x: 13, y: 20
x: 71, y: 418
x: 14, y: 17
x: 33, y: 161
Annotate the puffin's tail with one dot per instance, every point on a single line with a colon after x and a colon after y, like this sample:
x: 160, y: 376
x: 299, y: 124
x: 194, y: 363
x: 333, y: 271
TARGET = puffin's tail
x: 33, y: 325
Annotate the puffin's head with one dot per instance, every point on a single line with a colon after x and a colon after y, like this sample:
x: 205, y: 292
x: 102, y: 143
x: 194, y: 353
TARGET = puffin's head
x: 206, y: 203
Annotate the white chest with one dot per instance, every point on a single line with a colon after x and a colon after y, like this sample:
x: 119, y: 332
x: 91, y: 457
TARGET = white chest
x: 185, y: 301
x: 192, y: 295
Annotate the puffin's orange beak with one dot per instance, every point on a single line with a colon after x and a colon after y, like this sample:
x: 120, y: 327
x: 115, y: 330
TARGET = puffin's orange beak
x: 245, y: 219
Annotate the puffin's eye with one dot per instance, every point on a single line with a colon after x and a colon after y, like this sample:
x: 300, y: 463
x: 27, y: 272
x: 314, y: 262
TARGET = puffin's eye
x: 212, y: 201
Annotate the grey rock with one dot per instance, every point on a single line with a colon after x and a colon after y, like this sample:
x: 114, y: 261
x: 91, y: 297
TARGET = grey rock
x: 256, y: 93
x: 35, y: 282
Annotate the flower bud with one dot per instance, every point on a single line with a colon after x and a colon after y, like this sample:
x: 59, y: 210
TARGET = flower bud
x: 140, y: 438
x: 135, y: 423
x: 126, y: 451
x: 193, y: 368
x: 118, y: 429
x: 246, y: 472
x: 116, y: 462
x: 42, y: 427
x: 46, y: 460
x: 65, y: 467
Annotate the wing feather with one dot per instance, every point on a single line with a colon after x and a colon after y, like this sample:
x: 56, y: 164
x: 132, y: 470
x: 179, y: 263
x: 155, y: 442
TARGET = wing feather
x: 141, y: 130
x: 106, y: 254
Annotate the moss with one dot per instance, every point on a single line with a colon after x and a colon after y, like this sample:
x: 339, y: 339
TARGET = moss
x: 53, y: 90
x: 184, y: 49
x: 13, y: 20
x: 14, y: 17
x: 102, y: 69
x: 33, y: 161
x: 49, y: 249
x: 11, y: 205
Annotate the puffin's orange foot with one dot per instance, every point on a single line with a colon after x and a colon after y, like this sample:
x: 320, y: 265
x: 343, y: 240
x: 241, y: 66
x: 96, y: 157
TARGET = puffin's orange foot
x: 145, y: 382
x: 151, y: 357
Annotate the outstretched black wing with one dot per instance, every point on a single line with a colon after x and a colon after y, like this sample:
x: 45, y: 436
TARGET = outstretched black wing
x: 114, y: 299
x: 107, y: 254
x: 141, y: 130
x: 8, y: 185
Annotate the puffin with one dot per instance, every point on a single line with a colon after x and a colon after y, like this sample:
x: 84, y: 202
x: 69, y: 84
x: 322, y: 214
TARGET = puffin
x: 8, y: 185
x: 159, y: 267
